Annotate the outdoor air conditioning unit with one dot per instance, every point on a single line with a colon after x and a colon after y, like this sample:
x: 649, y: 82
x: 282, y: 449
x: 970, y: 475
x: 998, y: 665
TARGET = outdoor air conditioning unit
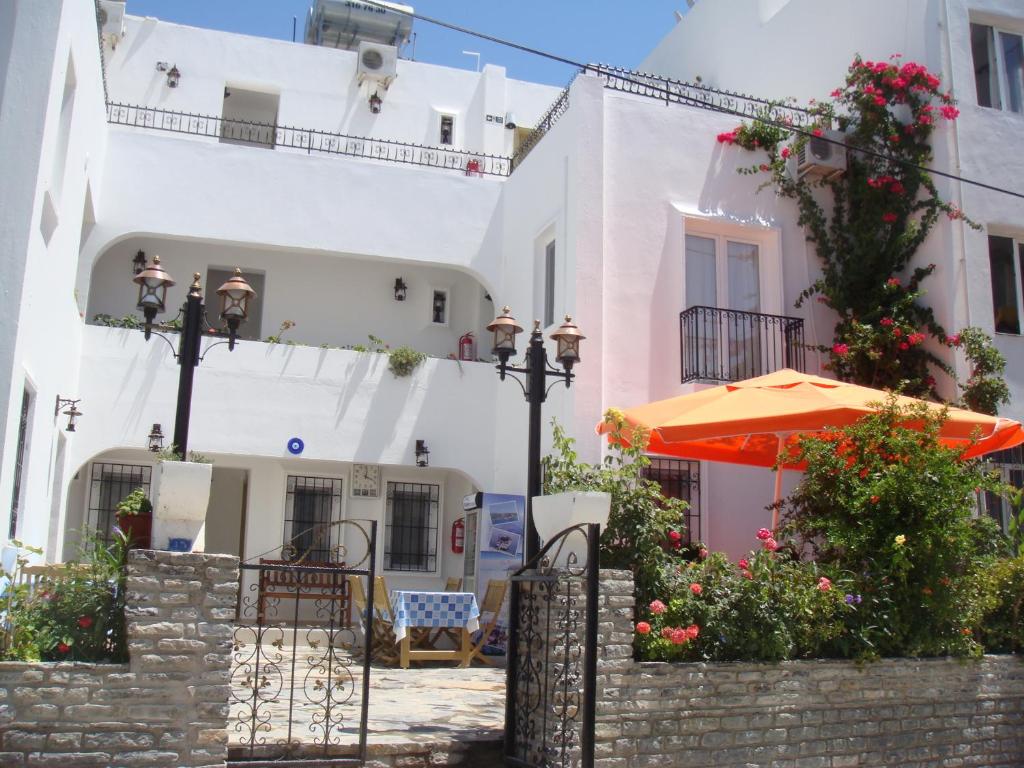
x: 111, y: 18
x: 819, y: 156
x: 377, y: 64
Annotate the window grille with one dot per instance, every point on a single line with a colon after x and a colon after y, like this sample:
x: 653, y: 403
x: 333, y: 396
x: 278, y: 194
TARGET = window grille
x: 1010, y: 464
x: 410, y: 527
x: 109, y: 484
x: 549, y: 284
x: 679, y: 479
x: 312, y: 504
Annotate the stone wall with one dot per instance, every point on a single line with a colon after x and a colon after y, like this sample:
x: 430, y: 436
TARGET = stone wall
x: 167, y: 707
x: 807, y: 714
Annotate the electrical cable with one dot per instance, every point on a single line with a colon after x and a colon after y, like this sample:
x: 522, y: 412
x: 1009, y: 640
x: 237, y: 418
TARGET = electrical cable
x: 690, y: 101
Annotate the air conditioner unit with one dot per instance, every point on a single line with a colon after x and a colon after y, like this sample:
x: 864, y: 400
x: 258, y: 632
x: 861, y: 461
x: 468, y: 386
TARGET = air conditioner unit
x: 111, y: 18
x: 377, y: 63
x: 820, y: 156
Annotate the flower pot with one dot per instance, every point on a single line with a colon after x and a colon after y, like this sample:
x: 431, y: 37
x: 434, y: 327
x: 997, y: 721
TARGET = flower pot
x: 138, y: 529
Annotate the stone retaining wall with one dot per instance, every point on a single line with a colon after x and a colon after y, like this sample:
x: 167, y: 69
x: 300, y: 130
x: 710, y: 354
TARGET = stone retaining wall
x: 807, y: 714
x: 167, y: 707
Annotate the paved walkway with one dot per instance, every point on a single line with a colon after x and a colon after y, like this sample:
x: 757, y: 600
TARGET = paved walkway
x: 428, y: 703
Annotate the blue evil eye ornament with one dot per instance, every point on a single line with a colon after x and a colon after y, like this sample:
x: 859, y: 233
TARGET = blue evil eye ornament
x: 295, y: 446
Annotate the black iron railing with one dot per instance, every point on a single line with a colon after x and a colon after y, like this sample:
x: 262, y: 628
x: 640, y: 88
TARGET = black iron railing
x: 729, y: 345
x: 307, y: 140
x: 555, y: 111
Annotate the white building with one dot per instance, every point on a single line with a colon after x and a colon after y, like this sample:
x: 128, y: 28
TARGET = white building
x: 324, y: 213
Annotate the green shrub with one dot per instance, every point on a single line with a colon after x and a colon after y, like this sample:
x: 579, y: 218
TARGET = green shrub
x: 403, y: 360
x: 1001, y: 628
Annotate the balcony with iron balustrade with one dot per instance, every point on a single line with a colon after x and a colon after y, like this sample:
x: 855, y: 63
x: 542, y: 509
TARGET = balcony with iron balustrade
x: 721, y: 345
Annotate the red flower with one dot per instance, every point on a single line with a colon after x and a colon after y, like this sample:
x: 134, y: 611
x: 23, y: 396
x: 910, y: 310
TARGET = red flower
x: 85, y: 621
x: 926, y: 591
x: 950, y: 112
x: 786, y: 152
x: 675, y: 535
x: 747, y: 575
x: 954, y: 340
x: 667, y: 632
x: 764, y: 534
x: 896, y: 188
x: 764, y: 167
x: 679, y: 636
x: 904, y: 346
x: 836, y: 93
x: 840, y: 350
x: 915, y: 338
x: 889, y: 218
x: 893, y: 282
x: 771, y: 545
x: 703, y: 553
x: 692, y: 631
x: 657, y: 607
x: 696, y: 588
x: 894, y: 138
x: 743, y: 564
x: 875, y: 499
x: 643, y: 628
x: 63, y: 647
x: 816, y: 132
x: 885, y: 321
x: 880, y: 101
x: 863, y: 473
x: 824, y: 584
x: 897, y: 332
x: 966, y: 631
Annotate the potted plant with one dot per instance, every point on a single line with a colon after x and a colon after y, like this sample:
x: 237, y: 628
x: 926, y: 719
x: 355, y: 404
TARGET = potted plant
x: 135, y: 518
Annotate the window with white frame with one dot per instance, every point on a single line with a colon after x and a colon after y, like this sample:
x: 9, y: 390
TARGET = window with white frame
x: 1006, y: 259
x: 447, y: 134
x: 410, y: 527
x: 439, y: 306
x: 998, y: 67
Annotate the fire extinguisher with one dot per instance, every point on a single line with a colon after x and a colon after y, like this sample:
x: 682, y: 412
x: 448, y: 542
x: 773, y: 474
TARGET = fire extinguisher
x: 467, y: 347
x: 458, y: 537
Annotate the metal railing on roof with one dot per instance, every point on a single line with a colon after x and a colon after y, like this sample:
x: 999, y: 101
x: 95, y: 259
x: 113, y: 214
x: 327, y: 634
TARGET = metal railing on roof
x: 271, y: 136
x: 555, y: 111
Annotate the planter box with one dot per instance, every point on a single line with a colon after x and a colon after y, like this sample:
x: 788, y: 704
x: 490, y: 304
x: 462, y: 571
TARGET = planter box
x: 180, y: 500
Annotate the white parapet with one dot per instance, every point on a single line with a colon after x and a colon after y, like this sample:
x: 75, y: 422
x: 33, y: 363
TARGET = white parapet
x: 181, y: 497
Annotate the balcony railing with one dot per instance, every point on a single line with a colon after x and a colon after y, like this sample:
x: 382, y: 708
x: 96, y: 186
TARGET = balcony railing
x: 307, y: 140
x: 729, y: 345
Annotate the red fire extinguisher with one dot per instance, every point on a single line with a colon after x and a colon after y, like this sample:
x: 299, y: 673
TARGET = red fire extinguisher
x: 458, y: 536
x: 467, y: 347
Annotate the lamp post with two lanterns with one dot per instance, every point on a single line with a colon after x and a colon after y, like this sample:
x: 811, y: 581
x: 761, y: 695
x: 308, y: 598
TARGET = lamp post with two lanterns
x: 535, y: 371
x: 235, y: 294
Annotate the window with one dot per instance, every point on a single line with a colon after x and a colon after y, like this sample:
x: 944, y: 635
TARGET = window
x: 249, y: 117
x: 549, y: 284
x: 439, y: 307
x: 19, y: 461
x: 216, y: 277
x: 1010, y: 465
x: 679, y: 479
x: 998, y: 67
x: 109, y: 483
x: 311, y: 505
x: 447, y: 130
x: 410, y: 527
x: 1006, y: 258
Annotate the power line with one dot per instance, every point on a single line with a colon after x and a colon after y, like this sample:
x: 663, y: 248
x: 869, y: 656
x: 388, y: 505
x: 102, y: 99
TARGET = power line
x: 689, y: 100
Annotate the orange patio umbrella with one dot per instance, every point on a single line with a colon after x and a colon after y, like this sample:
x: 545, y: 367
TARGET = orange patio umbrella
x: 756, y: 421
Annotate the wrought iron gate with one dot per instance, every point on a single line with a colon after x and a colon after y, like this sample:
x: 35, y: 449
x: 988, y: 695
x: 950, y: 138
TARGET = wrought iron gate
x: 550, y: 709
x: 299, y: 694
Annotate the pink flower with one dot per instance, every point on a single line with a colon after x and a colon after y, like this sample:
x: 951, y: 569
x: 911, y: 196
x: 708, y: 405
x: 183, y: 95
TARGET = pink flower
x: 899, y: 83
x: 764, y: 167
x: 954, y: 340
x: 643, y: 628
x: 743, y: 564
x: 889, y: 218
x: 679, y: 636
x: 702, y: 553
x: 824, y: 584
x: 667, y: 632
x: 658, y: 607
x: 764, y: 534
x: 880, y: 101
x: 836, y: 93
x: 885, y: 321
x: 696, y: 588
x: 915, y: 339
x: 727, y: 138
x: 771, y: 545
x: 692, y: 631
x: 950, y: 112
x: 840, y: 350
x: 893, y: 282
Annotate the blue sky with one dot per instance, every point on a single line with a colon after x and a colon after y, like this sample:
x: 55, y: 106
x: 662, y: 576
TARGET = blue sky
x: 620, y: 33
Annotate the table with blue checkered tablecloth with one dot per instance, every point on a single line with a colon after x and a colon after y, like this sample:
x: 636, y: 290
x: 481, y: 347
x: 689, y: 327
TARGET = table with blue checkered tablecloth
x: 434, y: 610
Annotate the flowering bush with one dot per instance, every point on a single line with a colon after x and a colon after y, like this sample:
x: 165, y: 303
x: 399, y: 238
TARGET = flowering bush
x: 891, y: 506
x: 883, y: 209
x: 768, y: 607
x: 78, y: 616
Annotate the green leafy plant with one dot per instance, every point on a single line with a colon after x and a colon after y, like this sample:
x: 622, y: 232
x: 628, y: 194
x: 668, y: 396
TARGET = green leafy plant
x: 882, y: 210
x: 645, y: 529
x: 172, y: 453
x: 892, y: 506
x: 135, y: 503
x: 402, y: 361
x: 286, y: 325
x: 1001, y: 582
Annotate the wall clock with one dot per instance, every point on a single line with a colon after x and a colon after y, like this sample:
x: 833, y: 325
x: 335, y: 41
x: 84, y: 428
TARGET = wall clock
x: 365, y: 481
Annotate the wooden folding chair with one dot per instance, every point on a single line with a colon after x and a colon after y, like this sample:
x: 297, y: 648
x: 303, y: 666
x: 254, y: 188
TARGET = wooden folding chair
x: 383, y: 643
x: 453, y: 584
x: 493, y: 599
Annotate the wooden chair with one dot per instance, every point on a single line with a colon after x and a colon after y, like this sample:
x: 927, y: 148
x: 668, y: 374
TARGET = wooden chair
x: 383, y: 645
x: 454, y: 584
x: 493, y: 599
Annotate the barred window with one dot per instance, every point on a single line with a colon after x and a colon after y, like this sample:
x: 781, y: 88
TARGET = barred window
x: 312, y: 504
x: 1010, y: 464
x: 410, y: 527
x: 679, y: 479
x: 109, y: 484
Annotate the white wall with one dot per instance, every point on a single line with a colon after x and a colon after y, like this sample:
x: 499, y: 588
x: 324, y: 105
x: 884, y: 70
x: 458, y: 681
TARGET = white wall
x: 42, y: 201
x: 332, y: 300
x: 318, y: 87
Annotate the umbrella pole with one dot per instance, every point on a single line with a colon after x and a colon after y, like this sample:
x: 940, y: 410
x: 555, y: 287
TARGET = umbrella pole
x: 778, y: 486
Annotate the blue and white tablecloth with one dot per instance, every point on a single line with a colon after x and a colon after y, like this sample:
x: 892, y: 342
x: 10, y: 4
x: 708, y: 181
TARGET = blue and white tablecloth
x: 434, y: 610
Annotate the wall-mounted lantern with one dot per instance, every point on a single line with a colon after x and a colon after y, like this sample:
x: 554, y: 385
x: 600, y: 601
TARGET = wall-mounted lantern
x: 156, y: 439
x: 375, y: 103
x: 173, y: 76
x: 400, y: 289
x: 422, y: 453
x: 139, y: 262
x: 71, y: 411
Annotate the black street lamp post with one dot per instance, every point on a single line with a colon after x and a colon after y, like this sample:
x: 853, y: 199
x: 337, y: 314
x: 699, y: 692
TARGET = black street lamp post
x: 235, y: 294
x: 535, y: 372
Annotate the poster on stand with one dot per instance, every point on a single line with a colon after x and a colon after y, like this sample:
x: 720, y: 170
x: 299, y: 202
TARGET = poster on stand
x: 500, y: 532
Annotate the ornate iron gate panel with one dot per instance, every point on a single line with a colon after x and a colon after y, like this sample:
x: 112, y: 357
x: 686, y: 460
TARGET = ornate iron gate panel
x: 300, y: 682
x: 550, y: 709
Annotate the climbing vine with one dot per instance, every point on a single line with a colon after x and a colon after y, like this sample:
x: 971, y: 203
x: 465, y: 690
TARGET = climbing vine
x: 882, y: 209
